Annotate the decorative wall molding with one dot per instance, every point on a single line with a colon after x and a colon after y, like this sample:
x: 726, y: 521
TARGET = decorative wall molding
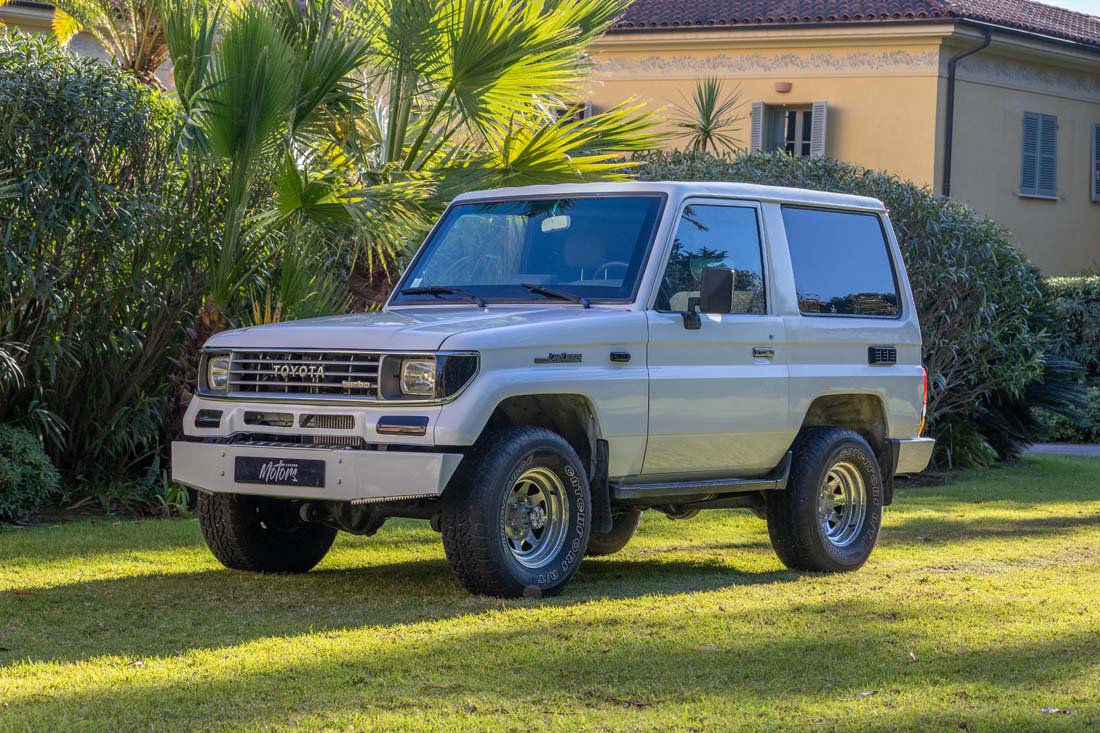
x: 1007, y: 72
x: 818, y: 62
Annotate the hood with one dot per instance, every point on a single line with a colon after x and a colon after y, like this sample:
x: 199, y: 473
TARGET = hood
x: 407, y: 329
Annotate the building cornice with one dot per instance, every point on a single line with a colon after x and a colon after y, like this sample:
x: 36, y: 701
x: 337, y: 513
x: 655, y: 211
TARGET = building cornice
x: 824, y: 35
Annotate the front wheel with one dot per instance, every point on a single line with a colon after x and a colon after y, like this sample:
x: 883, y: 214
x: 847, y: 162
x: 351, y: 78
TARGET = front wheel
x: 517, y: 521
x: 261, y: 534
x: 828, y: 517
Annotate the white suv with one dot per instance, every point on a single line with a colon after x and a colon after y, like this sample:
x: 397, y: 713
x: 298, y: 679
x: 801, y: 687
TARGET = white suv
x: 558, y: 359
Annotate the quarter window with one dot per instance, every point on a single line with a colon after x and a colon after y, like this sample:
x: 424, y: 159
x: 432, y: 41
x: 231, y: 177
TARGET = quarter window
x: 715, y: 236
x: 841, y: 263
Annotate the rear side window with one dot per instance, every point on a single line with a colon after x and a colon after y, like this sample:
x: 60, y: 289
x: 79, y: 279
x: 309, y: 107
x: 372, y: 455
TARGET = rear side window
x: 841, y: 263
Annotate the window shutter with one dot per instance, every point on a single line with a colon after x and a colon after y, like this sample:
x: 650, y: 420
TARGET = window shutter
x: 1048, y: 156
x: 1029, y: 156
x: 1096, y: 162
x: 756, y: 135
x: 818, y: 129
x: 1039, y: 156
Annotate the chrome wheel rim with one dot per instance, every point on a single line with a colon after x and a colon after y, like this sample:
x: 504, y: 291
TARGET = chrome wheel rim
x: 842, y: 504
x: 536, y: 517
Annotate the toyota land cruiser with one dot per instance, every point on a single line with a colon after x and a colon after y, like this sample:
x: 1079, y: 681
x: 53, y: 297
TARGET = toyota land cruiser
x: 557, y: 359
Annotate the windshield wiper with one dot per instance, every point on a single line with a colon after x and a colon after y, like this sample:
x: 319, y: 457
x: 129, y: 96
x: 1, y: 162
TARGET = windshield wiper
x: 549, y: 293
x: 439, y: 291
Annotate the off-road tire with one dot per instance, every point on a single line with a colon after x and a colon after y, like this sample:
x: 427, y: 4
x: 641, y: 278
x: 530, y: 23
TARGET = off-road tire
x: 794, y: 523
x: 623, y: 525
x: 235, y: 530
x: 474, y: 516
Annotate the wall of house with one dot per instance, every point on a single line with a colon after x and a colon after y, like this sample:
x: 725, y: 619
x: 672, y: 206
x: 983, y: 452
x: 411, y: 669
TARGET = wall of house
x: 881, y: 85
x: 995, y: 88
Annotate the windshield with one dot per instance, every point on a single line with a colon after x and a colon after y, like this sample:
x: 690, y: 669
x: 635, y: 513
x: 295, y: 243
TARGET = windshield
x: 544, y: 250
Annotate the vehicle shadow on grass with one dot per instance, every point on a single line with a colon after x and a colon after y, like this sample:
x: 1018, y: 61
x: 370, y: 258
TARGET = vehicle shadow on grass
x: 155, y: 615
x: 644, y: 666
x: 945, y: 530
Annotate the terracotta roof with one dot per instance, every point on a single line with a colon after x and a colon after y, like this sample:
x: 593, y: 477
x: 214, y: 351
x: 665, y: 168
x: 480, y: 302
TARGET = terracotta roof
x: 1023, y: 15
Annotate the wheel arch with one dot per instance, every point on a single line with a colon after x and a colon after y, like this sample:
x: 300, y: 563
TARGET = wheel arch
x: 863, y: 412
x: 572, y: 416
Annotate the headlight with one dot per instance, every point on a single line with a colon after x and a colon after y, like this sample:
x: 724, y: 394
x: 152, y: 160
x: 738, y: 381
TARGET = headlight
x: 418, y: 377
x: 217, y: 372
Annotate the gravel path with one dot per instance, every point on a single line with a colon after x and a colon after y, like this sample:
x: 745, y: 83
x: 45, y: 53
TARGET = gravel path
x: 1066, y: 449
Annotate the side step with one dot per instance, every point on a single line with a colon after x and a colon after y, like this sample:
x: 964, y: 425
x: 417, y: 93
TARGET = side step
x: 776, y: 480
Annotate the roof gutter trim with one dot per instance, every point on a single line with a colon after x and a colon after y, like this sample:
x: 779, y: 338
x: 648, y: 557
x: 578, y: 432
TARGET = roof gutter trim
x: 940, y: 20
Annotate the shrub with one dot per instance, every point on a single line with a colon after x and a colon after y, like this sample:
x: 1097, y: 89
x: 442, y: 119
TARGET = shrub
x: 27, y: 477
x: 1075, y: 321
x: 976, y: 296
x: 1086, y: 430
x: 100, y: 239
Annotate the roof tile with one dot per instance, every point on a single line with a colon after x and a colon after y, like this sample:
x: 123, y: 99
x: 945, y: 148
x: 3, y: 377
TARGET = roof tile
x: 1024, y: 15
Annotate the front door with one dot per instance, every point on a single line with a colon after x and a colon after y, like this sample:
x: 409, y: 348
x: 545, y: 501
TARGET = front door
x: 718, y: 395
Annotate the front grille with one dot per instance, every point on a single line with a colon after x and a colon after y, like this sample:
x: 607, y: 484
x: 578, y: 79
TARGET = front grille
x: 319, y: 373
x: 298, y: 441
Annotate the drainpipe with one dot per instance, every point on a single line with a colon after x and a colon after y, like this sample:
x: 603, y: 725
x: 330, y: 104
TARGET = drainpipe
x: 949, y: 131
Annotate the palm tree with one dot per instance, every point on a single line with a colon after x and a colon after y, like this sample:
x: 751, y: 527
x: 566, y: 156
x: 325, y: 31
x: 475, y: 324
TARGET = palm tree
x: 710, y: 118
x: 128, y: 30
x: 371, y: 117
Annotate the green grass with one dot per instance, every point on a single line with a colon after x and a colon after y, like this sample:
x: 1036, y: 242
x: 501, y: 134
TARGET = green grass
x: 980, y: 607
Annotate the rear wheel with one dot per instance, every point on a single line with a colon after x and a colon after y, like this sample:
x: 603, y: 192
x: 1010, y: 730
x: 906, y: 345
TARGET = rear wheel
x: 261, y: 534
x: 517, y: 521
x: 623, y: 526
x: 828, y: 517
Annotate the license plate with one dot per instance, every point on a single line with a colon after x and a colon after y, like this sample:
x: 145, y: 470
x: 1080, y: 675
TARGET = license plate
x: 279, y: 471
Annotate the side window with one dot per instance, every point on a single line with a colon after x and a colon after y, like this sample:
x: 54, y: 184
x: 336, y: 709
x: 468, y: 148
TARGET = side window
x: 841, y: 263
x: 715, y: 236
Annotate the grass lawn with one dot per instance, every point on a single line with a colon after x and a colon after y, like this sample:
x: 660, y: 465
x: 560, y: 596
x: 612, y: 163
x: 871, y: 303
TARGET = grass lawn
x: 979, y: 611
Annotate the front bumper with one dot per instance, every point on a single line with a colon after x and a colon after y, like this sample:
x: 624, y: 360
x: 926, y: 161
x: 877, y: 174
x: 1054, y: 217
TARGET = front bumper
x: 913, y: 455
x: 360, y: 476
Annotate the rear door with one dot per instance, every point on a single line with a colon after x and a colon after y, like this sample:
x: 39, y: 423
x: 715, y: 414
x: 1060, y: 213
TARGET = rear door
x: 718, y: 395
x: 855, y: 331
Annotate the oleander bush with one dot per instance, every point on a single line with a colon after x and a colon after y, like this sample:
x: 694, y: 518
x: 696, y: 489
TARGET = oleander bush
x: 100, y: 239
x: 1075, y: 321
x: 980, y: 302
x: 28, y: 479
x: 1075, y: 335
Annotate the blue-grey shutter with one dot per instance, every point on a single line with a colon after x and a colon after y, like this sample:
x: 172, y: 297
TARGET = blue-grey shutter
x: 1029, y: 156
x: 1096, y: 162
x: 1039, y: 156
x: 756, y: 131
x: 1048, y: 156
x: 819, y: 129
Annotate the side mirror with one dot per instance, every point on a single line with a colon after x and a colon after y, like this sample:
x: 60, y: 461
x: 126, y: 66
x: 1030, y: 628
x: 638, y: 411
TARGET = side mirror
x: 715, y: 296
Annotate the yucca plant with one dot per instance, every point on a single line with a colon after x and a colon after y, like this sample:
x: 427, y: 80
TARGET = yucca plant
x: 128, y: 30
x: 710, y: 118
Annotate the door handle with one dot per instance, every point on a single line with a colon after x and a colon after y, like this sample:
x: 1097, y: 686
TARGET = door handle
x: 763, y: 352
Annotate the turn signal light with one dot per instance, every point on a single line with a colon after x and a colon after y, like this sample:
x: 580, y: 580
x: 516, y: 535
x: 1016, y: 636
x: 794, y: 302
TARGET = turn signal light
x: 924, y: 404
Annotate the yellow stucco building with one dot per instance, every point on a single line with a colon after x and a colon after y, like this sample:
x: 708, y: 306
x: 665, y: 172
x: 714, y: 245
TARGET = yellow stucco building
x: 870, y: 83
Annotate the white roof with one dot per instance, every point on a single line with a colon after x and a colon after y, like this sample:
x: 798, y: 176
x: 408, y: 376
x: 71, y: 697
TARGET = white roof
x: 683, y: 189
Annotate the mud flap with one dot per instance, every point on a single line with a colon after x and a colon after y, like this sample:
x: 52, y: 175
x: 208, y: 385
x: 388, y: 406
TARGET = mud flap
x: 601, y: 491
